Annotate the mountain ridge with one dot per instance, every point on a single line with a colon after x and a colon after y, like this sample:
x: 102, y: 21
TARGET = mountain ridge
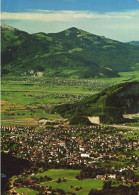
x: 109, y: 105
x: 134, y: 43
x: 72, y: 52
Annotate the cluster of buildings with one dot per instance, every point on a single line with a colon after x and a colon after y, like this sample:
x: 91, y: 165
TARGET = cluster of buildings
x: 65, y: 145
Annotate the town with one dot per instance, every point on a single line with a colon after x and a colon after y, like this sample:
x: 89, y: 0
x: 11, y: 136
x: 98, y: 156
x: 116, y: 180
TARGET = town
x: 68, y: 146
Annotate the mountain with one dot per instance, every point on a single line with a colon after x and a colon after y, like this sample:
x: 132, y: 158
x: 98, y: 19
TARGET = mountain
x: 109, y: 105
x: 70, y: 53
x: 135, y: 43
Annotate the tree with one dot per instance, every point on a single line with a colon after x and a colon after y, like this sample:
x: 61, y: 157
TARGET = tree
x: 107, y: 185
x: 59, y: 180
x: 94, y: 192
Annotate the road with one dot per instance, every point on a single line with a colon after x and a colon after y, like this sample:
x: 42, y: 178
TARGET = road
x: 124, y: 127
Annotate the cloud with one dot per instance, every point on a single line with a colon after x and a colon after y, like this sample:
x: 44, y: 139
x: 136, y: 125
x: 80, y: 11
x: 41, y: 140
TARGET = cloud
x: 121, y: 26
x: 49, y: 15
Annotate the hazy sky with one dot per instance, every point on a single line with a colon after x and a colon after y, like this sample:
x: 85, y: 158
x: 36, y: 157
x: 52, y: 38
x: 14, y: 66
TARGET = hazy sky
x: 116, y: 19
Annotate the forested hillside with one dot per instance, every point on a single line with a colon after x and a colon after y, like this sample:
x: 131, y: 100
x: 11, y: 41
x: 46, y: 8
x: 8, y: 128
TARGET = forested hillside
x: 109, y: 105
x: 70, y: 53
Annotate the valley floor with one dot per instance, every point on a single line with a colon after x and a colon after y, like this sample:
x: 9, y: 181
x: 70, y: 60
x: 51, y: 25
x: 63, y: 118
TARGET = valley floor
x: 89, y: 155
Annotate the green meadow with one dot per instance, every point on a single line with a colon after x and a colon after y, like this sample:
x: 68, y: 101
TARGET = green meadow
x: 71, y: 184
x: 27, y: 191
x: 70, y: 176
x: 59, y: 173
x: 27, y: 99
x: 85, y: 185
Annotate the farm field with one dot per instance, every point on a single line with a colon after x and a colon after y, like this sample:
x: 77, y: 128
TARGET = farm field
x: 71, y: 184
x: 26, y: 191
x: 25, y: 100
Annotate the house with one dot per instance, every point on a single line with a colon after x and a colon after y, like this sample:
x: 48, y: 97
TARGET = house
x: 85, y: 155
x: 82, y: 149
x: 112, y: 176
x: 102, y: 177
x: 19, y: 185
x: 31, y: 181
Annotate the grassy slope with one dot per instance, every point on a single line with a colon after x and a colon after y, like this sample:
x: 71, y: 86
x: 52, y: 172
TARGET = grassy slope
x: 69, y: 175
x: 76, y: 54
x: 109, y: 105
x: 87, y: 185
x: 26, y: 191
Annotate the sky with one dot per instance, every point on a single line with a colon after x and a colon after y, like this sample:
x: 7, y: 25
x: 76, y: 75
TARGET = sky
x: 115, y: 19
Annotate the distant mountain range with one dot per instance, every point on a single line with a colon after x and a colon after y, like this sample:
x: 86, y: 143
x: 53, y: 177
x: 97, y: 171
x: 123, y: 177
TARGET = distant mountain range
x: 135, y: 43
x: 70, y: 53
x: 109, y: 105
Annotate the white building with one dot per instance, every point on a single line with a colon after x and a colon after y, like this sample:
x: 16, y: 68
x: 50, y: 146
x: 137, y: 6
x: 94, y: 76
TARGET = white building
x: 85, y: 155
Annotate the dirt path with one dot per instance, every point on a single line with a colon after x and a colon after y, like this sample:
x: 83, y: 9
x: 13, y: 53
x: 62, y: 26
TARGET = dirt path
x: 20, y: 121
x: 124, y: 127
x: 131, y: 116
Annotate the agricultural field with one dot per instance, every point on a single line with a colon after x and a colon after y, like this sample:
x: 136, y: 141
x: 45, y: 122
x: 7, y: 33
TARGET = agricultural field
x: 71, y: 184
x: 25, y: 100
x: 26, y: 191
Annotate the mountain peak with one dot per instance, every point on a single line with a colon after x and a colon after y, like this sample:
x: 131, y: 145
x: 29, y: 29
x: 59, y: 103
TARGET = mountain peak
x: 75, y: 31
x: 5, y: 26
x: 85, y: 55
